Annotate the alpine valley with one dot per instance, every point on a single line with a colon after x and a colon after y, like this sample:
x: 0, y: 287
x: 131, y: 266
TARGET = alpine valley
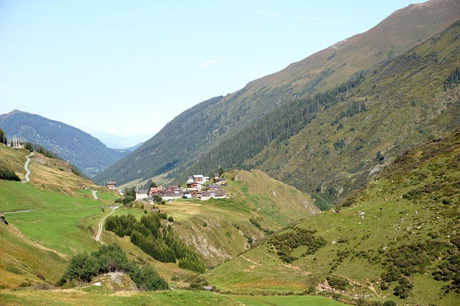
x: 341, y: 174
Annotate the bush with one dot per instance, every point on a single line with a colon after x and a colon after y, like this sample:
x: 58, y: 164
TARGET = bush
x: 290, y: 240
x: 110, y: 258
x: 337, y: 282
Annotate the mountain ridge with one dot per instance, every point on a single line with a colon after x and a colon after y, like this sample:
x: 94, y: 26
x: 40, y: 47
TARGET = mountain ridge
x: 322, y: 71
x: 74, y: 145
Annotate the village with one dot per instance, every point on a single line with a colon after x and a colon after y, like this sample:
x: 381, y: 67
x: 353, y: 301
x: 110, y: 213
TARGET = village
x: 198, y: 187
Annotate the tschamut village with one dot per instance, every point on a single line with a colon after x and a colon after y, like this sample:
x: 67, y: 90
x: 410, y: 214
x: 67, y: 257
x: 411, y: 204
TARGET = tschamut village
x: 198, y: 187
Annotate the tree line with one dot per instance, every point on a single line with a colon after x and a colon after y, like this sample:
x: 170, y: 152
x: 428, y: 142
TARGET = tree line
x: 279, y: 125
x: 155, y: 239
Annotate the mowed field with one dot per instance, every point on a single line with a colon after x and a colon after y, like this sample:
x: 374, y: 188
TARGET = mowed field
x: 57, y: 221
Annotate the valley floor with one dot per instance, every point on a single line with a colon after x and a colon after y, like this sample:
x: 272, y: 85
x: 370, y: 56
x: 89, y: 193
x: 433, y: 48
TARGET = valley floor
x: 99, y: 296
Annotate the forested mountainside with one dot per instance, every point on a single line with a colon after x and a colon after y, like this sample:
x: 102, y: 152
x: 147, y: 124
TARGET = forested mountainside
x: 331, y: 143
x: 192, y: 136
x: 396, y: 239
x: 75, y: 146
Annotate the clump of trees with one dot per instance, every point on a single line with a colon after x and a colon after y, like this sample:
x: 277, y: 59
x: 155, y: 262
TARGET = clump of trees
x: 9, y: 175
x: 337, y: 282
x: 40, y: 149
x: 286, y: 242
x: 406, y: 260
x: 3, y: 137
x: 155, y: 239
x: 129, y: 195
x: 259, y: 227
x: 110, y: 258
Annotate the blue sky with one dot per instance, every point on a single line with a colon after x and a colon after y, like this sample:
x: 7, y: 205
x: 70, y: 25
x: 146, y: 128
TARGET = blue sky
x: 127, y: 68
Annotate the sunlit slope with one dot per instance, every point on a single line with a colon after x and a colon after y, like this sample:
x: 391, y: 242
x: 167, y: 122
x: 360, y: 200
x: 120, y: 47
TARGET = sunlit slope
x: 50, y: 218
x: 257, y: 205
x: 398, y: 234
x: 332, y: 143
x: 198, y: 130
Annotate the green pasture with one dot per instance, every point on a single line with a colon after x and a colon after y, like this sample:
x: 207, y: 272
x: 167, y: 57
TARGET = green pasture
x: 286, y: 300
x: 58, y: 221
x: 98, y: 296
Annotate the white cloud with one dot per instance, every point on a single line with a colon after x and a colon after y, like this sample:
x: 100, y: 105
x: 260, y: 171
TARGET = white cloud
x: 210, y: 62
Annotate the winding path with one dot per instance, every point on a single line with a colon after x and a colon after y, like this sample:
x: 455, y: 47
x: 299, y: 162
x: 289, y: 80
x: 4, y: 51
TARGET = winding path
x: 101, y: 224
x: 26, y: 167
x: 94, y: 194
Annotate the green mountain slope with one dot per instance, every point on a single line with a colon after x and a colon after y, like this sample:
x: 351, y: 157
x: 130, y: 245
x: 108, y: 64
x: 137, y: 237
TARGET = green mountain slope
x: 77, y: 147
x: 197, y: 131
x: 333, y: 142
x: 221, y: 229
x: 398, y: 238
x: 55, y: 216
x: 49, y: 219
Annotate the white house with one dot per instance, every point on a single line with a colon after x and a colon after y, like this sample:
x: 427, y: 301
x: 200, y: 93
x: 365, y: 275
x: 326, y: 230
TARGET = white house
x: 142, y: 194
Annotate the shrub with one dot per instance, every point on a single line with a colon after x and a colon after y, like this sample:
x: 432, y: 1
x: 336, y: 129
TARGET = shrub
x: 337, y: 282
x: 110, y: 258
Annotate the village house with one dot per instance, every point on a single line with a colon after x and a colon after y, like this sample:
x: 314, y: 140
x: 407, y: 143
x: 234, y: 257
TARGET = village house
x: 171, y: 195
x: 155, y: 190
x: 213, y: 187
x: 196, y: 182
x: 218, y: 194
x: 188, y: 194
x: 142, y: 194
x: 172, y: 188
x: 111, y: 185
x: 219, y: 181
x: 203, y: 195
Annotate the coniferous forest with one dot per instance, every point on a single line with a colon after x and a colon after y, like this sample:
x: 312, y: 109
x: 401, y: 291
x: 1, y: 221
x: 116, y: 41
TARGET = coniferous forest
x: 155, y: 239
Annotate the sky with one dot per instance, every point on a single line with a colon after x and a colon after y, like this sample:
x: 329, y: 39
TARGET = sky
x: 121, y: 70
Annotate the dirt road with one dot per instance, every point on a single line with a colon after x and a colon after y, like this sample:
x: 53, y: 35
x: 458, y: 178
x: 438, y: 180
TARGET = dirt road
x: 26, y: 167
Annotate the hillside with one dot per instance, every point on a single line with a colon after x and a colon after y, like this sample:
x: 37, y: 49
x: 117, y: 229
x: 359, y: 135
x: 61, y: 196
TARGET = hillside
x: 55, y: 216
x: 222, y: 229
x: 71, y: 144
x: 49, y: 218
x: 333, y: 142
x: 397, y: 238
x: 197, y: 131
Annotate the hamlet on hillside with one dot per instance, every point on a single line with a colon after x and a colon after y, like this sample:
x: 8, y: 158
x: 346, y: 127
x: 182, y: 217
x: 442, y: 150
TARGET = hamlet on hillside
x: 198, y: 187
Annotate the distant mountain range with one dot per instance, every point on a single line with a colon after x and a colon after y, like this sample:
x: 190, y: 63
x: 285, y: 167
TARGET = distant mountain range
x: 328, y: 123
x: 75, y: 146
